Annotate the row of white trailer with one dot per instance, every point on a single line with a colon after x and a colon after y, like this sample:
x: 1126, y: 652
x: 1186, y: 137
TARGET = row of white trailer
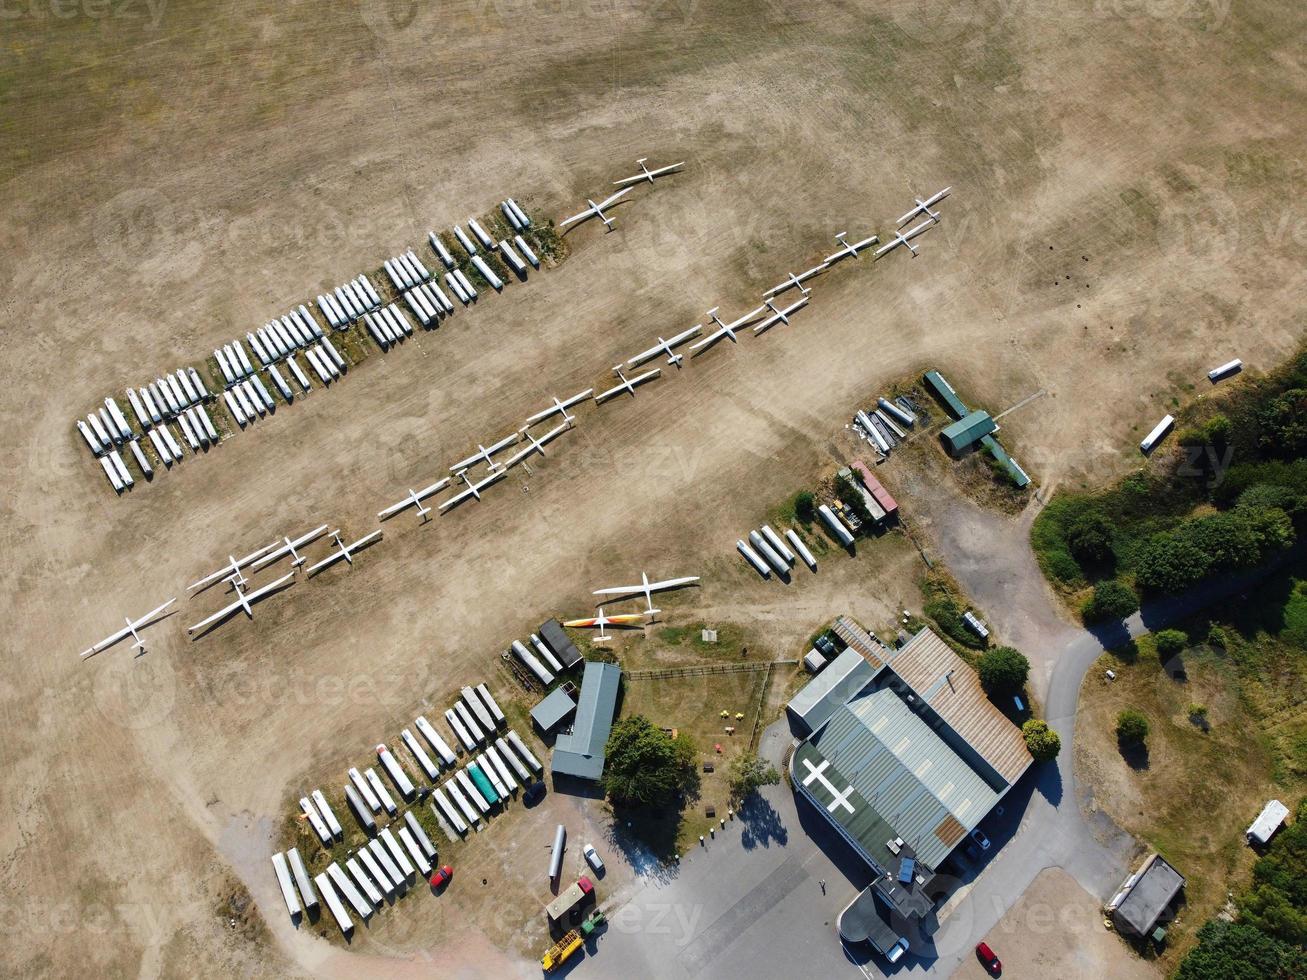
x: 546, y: 666
x: 348, y: 302
x: 884, y: 425
x: 197, y: 431
x: 767, y: 551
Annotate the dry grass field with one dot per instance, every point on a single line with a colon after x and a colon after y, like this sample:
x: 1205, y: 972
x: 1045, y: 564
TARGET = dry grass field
x: 1127, y: 212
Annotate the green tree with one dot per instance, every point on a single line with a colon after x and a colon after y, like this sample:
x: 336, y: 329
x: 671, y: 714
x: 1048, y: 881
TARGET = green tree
x: 852, y: 498
x: 805, y: 507
x: 1003, y: 670
x: 1089, y: 538
x: 645, y: 766
x: 1131, y: 727
x: 1112, y: 600
x: 1041, y: 740
x: 1238, y: 951
x: 1170, y: 642
x: 747, y: 773
x: 1284, y: 424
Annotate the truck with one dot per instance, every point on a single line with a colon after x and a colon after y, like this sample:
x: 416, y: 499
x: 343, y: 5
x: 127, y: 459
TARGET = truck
x: 592, y: 922
x: 569, y: 898
x: 560, y: 951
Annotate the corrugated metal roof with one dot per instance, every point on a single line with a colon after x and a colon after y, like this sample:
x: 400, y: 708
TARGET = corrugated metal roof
x: 916, y: 784
x: 553, y: 709
x: 843, y: 677
x: 945, y: 682
x: 966, y: 430
x: 945, y: 393
x: 581, y: 753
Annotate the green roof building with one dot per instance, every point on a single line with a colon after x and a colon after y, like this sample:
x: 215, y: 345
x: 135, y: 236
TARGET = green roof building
x: 967, y: 431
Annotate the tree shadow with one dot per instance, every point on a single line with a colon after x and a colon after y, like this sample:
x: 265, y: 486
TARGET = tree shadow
x: 1135, y: 754
x: 761, y: 824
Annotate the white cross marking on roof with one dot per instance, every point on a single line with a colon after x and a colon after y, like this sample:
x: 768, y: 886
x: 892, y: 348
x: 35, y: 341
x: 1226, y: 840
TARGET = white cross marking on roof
x: 841, y: 798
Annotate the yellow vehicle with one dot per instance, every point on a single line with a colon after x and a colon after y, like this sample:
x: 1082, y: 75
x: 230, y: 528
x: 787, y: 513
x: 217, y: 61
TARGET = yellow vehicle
x: 560, y: 951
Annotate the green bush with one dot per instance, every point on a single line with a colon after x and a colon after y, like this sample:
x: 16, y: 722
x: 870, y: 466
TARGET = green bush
x: 1284, y: 424
x: 1238, y: 951
x: 1112, y: 600
x: 1170, y: 642
x: 805, y: 507
x: 1089, y: 538
x: 1041, y: 741
x: 1003, y: 670
x: 1131, y: 727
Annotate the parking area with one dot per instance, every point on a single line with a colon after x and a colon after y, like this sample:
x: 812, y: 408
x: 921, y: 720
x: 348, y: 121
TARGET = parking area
x: 1056, y: 930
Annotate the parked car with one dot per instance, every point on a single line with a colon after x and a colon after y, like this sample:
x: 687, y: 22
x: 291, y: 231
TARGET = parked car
x: 979, y: 837
x: 593, y: 857
x: 988, y: 959
x: 534, y: 792
x: 442, y: 876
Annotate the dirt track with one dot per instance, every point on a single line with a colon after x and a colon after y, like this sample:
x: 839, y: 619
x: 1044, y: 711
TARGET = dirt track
x: 170, y: 187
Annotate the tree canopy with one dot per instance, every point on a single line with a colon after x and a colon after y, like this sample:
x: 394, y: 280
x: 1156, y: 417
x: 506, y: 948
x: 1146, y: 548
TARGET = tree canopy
x: 1112, y: 600
x: 1042, y: 742
x: 747, y: 773
x: 1238, y: 951
x: 1003, y: 670
x: 645, y: 766
x: 1131, y: 727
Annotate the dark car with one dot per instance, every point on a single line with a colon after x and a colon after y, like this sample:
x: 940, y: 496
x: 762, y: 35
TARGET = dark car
x: 988, y: 959
x: 442, y: 876
x: 534, y: 793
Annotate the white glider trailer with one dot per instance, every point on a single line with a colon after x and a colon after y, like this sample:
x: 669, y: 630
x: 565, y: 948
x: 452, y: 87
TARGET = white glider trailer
x: 753, y: 559
x: 761, y: 547
x: 542, y: 648
x: 836, y: 526
x: 360, y: 809
x: 1159, y: 433
x: 793, y: 537
x: 438, y: 247
x: 491, y: 705
x: 400, y: 778
x: 777, y: 544
x: 346, y: 888
x: 419, y: 834
x: 439, y: 744
x: 900, y: 413
x: 379, y: 788
x: 451, y: 814
x: 518, y: 744
x: 478, y: 708
x: 457, y: 725
x: 514, y: 261
x: 419, y: 753
x: 315, y: 821
x: 456, y: 794
x: 525, y: 249
x: 302, y: 879
x: 556, y: 853
x: 495, y: 282
x: 1225, y: 370
x: 506, y: 753
x: 469, y: 722
x: 284, y: 882
x: 534, y: 665
x: 365, y: 791
x: 521, y: 215
x: 334, y: 904
x: 325, y: 809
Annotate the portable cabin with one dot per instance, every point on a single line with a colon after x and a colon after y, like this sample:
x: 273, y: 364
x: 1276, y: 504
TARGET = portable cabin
x: 400, y: 778
x: 334, y: 905
x: 753, y: 559
x: 284, y: 882
x: 1267, y: 823
x: 439, y: 744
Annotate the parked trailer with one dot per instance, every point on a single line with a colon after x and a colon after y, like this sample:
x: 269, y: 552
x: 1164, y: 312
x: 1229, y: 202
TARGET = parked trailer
x: 415, y: 304
x: 466, y: 283
x: 793, y: 537
x: 121, y: 467
x: 198, y: 382
x: 888, y: 422
x: 753, y: 559
x: 486, y: 241
x: 489, y: 771
x: 864, y: 421
x: 511, y: 216
x: 286, y: 885
x: 416, y: 263
x: 379, y: 788
x: 501, y: 767
x: 450, y: 811
x: 298, y: 371
x: 184, y: 421
x: 301, y: 874
x: 419, y: 835
x: 164, y: 410
x: 491, y: 706
x: 119, y: 419
x: 470, y: 788
x: 1225, y: 370
x: 280, y: 382
x: 556, y: 854
x: 521, y: 215
x: 433, y: 306
x: 345, y: 303
x: 374, y: 870
x: 495, y: 282
x: 308, y: 319
x: 439, y: 248
x: 455, y: 791
x: 178, y: 389
x: 424, y: 760
x: 141, y: 461
x: 326, y: 361
x: 511, y: 757
x: 387, y: 874
x: 319, y: 369
x: 298, y: 335
x: 542, y: 648
x: 402, y: 782
x: 360, y: 809
x: 327, y: 813
x: 327, y: 311
x: 101, y: 433
x: 232, y: 407
x: 525, y: 249
x: 900, y: 413
x: 452, y: 282
x: 457, y: 725
x: 534, y: 665
x: 171, y: 440
x: 399, y: 321
x: 91, y: 438
x: 333, y: 903
x: 518, y: 744
x: 250, y: 399
x: 108, y: 425
x: 150, y: 406
x: 517, y: 265
x: 260, y: 351
x: 1157, y: 435
x: 383, y: 857
x: 326, y: 344
x: 773, y: 559
x: 160, y: 447
x: 474, y: 703
x: 346, y: 888
x: 432, y: 736
x: 365, y: 791
x: 138, y: 409
x: 396, y: 851
x: 271, y: 344
x: 445, y: 303
x: 239, y: 348
x: 392, y: 272
x: 463, y: 240
x: 836, y: 526
x: 777, y: 544
x: 263, y: 394
x: 469, y: 722
x: 315, y: 820
x: 111, y: 472
x: 389, y: 330
x: 377, y: 334
x: 369, y: 889
x: 365, y: 284
x: 415, y: 852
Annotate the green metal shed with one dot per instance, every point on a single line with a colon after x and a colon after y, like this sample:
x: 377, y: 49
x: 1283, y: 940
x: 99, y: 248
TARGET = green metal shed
x: 967, y: 431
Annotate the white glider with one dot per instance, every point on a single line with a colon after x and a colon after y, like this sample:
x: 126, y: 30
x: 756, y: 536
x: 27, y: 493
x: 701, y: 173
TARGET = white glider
x: 595, y: 209
x: 798, y: 280
x: 561, y: 407
x: 723, y: 330
x: 244, y: 600
x: 231, y: 570
x: 923, y: 207
x: 129, y: 630
x: 289, y: 547
x: 536, y: 445
x: 473, y: 488
x: 903, y: 238
x: 414, y: 499
x: 647, y: 588
x: 600, y: 621
x: 485, y: 453
x: 648, y: 174
x: 666, y: 347
x: 781, y: 316
x: 850, y: 249
x: 345, y: 551
x: 628, y: 384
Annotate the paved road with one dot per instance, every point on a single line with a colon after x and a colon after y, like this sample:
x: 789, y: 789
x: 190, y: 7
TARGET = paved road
x: 751, y: 904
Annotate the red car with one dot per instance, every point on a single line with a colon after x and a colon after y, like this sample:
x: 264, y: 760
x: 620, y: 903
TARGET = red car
x: 988, y: 959
x: 442, y: 876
